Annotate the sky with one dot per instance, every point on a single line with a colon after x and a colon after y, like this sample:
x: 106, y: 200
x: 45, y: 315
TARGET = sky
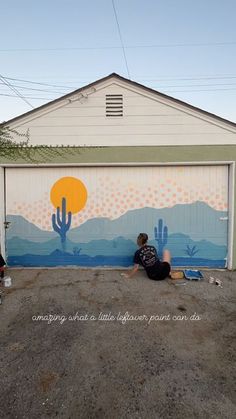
x: 183, y: 48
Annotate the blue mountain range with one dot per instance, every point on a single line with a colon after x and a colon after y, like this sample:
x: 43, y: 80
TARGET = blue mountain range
x: 177, y: 244
x: 197, y: 220
x: 196, y: 237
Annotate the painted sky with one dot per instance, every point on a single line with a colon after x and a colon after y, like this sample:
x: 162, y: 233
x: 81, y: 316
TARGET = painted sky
x: 111, y: 193
x: 183, y: 48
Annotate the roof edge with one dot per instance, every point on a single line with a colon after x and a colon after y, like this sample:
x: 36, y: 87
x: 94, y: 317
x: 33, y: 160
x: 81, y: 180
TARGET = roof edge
x: 135, y: 84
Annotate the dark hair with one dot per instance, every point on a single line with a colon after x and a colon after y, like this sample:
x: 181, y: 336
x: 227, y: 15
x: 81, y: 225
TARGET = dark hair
x: 142, y: 239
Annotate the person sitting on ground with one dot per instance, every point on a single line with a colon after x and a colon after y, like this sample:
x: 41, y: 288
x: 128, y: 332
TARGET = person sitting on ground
x: 2, y: 267
x: 147, y: 257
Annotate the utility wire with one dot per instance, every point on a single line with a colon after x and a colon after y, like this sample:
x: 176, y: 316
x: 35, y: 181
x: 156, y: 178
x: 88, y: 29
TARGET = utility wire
x: 29, y: 97
x: 199, y: 44
x: 188, y: 78
x: 121, y: 40
x: 16, y: 91
x: 161, y: 80
x: 151, y: 85
x: 192, y: 85
x: 163, y: 91
x: 42, y: 84
x: 32, y: 88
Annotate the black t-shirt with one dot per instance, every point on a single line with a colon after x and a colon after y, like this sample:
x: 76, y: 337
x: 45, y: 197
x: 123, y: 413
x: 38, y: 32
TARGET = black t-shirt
x: 148, y: 258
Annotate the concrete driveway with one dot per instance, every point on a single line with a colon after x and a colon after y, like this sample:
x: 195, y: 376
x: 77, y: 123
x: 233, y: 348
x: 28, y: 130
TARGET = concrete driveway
x: 91, y: 344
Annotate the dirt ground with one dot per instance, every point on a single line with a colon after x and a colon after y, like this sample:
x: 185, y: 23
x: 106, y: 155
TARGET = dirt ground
x: 83, y: 363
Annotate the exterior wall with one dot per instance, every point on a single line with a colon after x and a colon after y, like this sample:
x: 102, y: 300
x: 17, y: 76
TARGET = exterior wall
x: 147, y: 155
x: 148, y: 120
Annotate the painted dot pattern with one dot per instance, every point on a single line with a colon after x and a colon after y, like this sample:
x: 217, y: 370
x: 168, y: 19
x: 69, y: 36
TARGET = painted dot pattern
x: 112, y: 196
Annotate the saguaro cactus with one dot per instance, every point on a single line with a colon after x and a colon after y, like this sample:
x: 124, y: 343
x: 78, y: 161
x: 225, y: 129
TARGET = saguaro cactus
x: 161, y: 236
x: 59, y: 223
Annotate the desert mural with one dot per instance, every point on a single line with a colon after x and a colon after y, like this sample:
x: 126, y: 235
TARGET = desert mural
x: 92, y: 216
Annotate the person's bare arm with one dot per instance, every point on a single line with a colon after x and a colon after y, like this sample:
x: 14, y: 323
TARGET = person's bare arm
x: 132, y: 272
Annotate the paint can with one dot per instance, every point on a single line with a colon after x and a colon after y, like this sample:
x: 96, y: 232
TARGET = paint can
x: 7, y: 281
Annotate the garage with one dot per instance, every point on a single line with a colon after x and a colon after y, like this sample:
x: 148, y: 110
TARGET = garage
x: 121, y: 159
x: 91, y: 215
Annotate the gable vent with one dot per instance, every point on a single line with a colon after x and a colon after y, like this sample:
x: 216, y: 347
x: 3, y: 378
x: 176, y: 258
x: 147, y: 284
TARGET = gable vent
x: 114, y: 105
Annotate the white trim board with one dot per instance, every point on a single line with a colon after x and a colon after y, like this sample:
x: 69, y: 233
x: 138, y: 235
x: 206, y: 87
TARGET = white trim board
x: 121, y: 164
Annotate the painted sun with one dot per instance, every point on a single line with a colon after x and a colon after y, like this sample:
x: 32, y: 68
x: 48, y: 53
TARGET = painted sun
x: 73, y: 190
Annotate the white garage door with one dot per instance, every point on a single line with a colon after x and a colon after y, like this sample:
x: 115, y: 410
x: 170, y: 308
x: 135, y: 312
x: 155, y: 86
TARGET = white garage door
x: 91, y: 216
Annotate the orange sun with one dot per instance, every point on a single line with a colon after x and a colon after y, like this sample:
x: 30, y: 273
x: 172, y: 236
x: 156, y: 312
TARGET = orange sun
x: 73, y: 190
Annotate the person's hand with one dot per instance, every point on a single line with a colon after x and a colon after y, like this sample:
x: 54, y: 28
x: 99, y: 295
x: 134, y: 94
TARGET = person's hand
x: 125, y: 275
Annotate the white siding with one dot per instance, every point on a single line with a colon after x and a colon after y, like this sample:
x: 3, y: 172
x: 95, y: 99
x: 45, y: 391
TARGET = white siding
x: 148, y: 119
